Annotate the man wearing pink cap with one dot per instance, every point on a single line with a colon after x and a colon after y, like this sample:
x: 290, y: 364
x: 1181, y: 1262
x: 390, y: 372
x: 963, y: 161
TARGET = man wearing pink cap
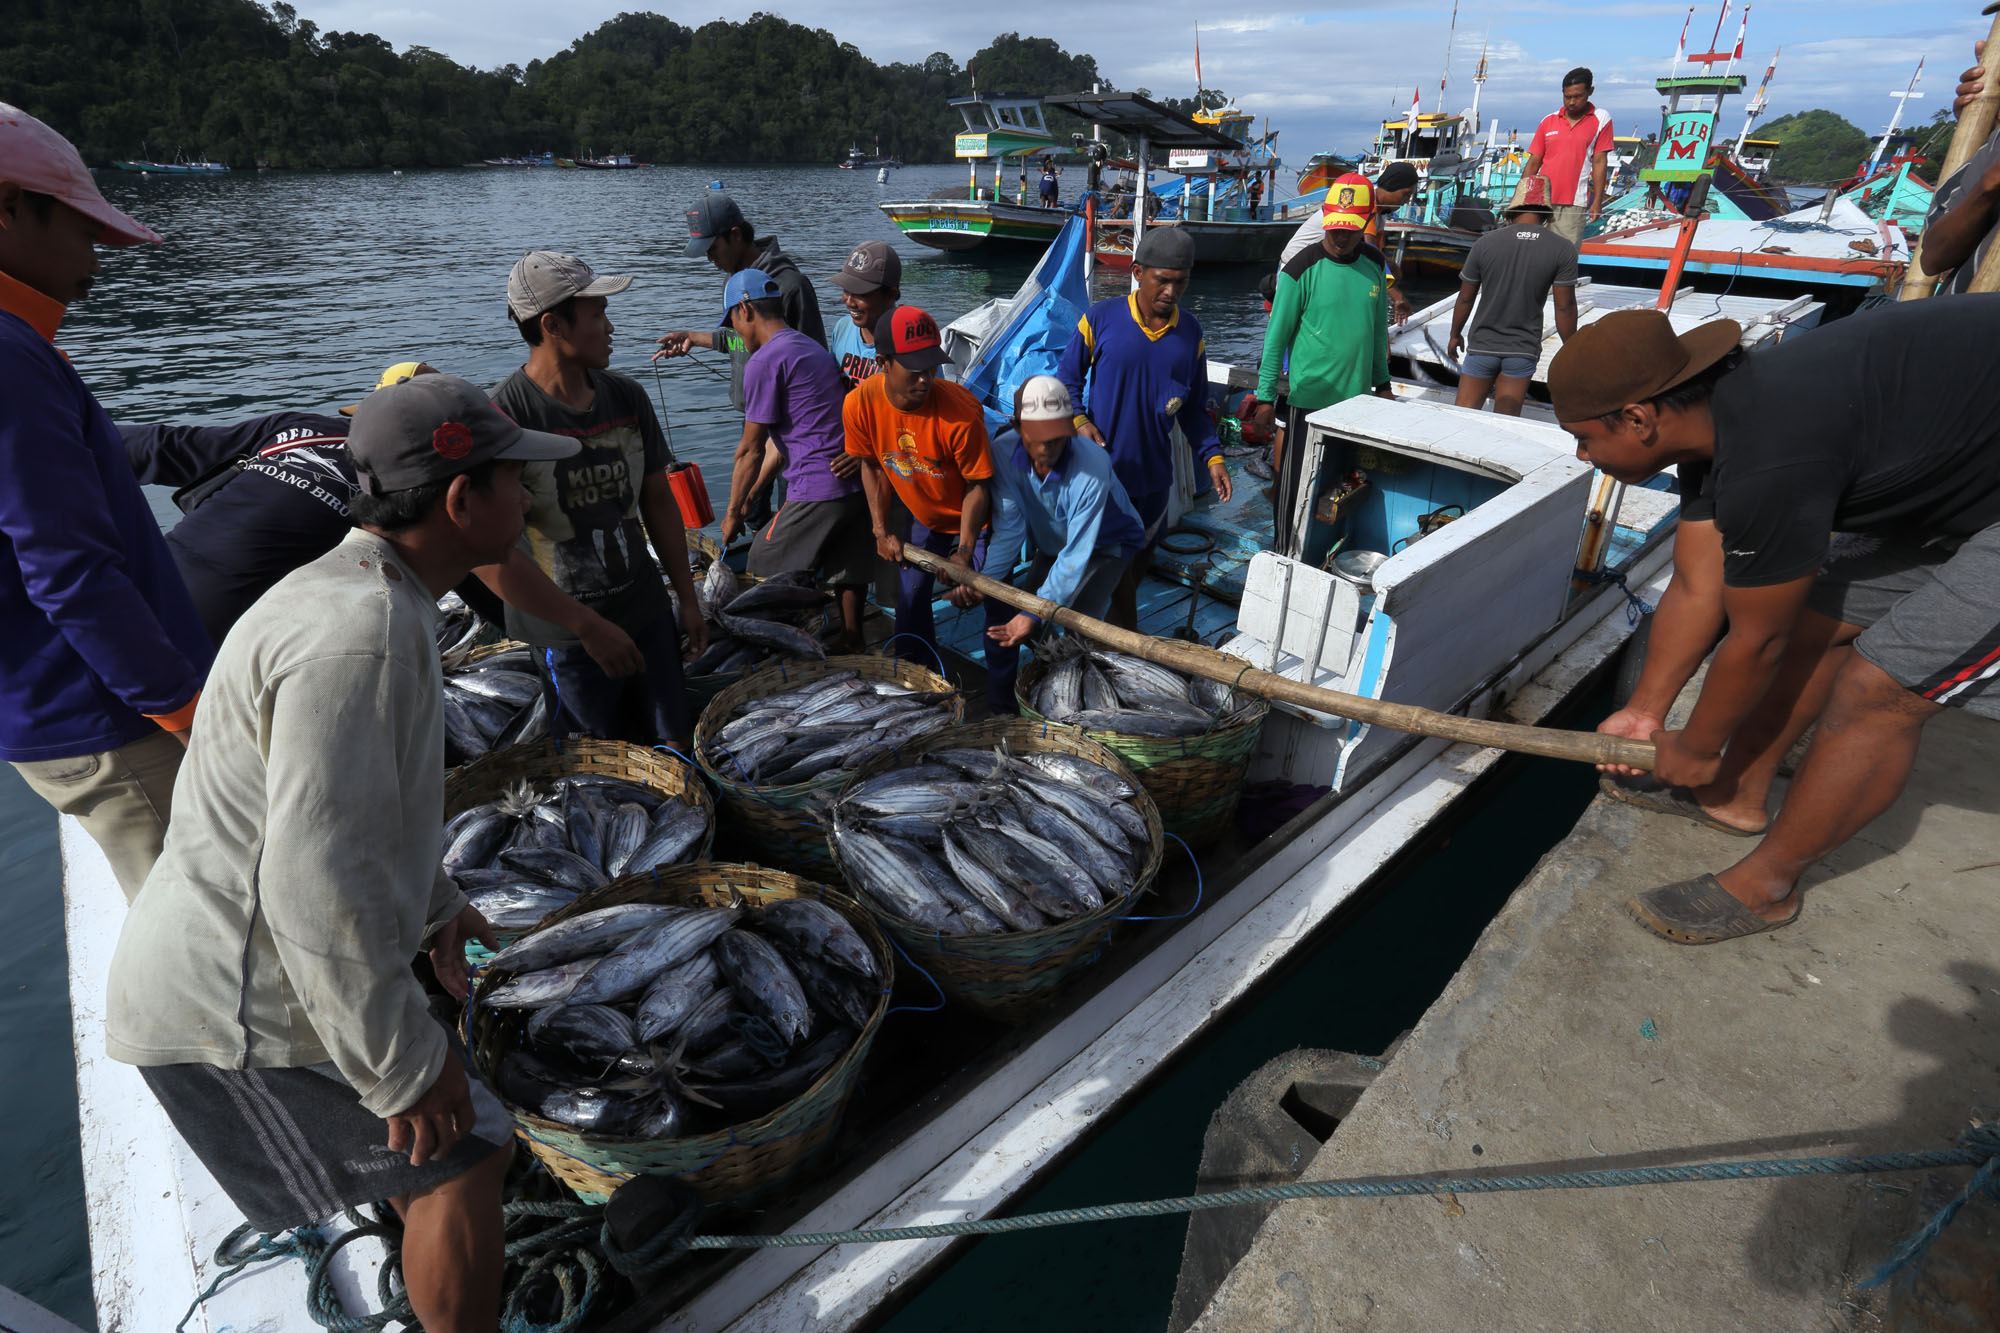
x: 102, y: 653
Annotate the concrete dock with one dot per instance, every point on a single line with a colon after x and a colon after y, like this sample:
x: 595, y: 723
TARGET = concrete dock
x: 1572, y: 1039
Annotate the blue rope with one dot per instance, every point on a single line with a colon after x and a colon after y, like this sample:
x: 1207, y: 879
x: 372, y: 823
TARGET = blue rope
x: 935, y: 655
x: 1986, y: 1180
x: 1634, y: 607
x: 916, y: 1008
x: 1197, y: 888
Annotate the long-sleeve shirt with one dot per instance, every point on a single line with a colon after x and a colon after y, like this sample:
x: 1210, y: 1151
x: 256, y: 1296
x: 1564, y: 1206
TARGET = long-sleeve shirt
x: 98, y: 637
x: 259, y: 499
x: 1333, y: 317
x: 1075, y: 512
x: 300, y: 874
x: 1136, y: 384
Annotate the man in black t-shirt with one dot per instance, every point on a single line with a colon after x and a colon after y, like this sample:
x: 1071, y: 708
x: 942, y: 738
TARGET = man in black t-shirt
x: 1510, y: 272
x: 1883, y: 426
x: 590, y: 516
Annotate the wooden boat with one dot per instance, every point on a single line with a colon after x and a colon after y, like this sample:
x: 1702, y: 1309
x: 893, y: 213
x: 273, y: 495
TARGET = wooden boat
x: 174, y: 168
x: 997, y: 126
x: 1477, y: 615
x: 615, y: 162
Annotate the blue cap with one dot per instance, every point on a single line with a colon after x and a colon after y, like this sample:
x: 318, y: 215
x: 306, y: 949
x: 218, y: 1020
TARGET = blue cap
x: 748, y: 284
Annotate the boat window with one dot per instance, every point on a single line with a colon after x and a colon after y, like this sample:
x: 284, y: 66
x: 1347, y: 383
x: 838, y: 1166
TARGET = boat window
x: 1031, y: 116
x: 1008, y: 117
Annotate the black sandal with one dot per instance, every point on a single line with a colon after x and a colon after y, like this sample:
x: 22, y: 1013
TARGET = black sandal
x: 1700, y: 911
x: 1664, y: 800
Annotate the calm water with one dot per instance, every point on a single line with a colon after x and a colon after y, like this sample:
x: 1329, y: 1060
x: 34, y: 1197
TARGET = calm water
x: 293, y: 291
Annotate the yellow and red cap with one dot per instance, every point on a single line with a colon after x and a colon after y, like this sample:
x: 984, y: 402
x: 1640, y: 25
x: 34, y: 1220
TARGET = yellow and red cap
x: 1350, y: 202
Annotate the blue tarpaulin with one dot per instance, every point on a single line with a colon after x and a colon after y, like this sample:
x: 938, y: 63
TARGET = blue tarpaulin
x: 1043, y: 315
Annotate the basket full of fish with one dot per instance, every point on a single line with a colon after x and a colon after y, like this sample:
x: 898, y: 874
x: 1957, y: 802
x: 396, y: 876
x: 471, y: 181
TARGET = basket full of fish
x: 493, y: 700
x: 531, y: 829
x: 998, y: 855
x: 707, y: 1023
x: 1188, y: 739
x: 779, y: 743
x: 752, y: 621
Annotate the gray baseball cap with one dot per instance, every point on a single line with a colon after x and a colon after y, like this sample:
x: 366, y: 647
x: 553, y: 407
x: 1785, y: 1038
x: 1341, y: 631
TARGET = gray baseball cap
x: 1165, y: 247
x: 871, y: 266
x: 713, y: 214
x: 544, y: 279
x: 432, y: 428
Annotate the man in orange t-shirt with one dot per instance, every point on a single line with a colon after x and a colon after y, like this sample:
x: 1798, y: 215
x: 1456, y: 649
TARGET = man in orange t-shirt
x: 925, y: 465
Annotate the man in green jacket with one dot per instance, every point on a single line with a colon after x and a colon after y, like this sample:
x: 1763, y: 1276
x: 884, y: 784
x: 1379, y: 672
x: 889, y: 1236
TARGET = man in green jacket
x: 1331, y: 314
x: 262, y: 982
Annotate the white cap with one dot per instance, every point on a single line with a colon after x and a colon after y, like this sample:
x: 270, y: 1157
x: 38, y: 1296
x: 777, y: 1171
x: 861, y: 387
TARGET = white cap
x: 1043, y: 398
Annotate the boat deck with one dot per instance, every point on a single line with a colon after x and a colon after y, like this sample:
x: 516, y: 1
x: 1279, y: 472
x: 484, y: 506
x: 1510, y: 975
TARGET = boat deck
x: 1574, y: 1040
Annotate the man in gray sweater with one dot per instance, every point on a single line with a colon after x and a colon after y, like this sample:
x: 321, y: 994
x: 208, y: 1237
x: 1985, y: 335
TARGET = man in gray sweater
x: 262, y: 981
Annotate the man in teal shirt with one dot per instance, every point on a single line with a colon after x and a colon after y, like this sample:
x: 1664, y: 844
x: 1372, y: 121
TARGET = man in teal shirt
x: 1331, y: 313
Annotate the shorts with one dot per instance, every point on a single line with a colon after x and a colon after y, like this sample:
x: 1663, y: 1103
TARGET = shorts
x: 1929, y: 616
x: 1489, y: 365
x: 835, y: 537
x: 295, y: 1146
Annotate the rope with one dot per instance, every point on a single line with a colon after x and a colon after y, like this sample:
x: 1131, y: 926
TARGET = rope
x: 1634, y: 607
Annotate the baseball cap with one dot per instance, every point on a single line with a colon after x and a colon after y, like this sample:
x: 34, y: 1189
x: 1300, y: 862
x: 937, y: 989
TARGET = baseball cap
x: 870, y: 266
x: 748, y: 284
x: 1396, y: 176
x: 433, y: 427
x: 1349, y: 202
x: 396, y: 374
x: 544, y: 279
x: 1165, y: 247
x: 36, y: 158
x: 910, y: 338
x: 1046, y: 411
x: 714, y: 214
x: 1629, y: 356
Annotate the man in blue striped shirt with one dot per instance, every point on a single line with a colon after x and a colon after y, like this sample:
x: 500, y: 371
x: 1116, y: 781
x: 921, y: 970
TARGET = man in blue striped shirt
x: 1059, y: 497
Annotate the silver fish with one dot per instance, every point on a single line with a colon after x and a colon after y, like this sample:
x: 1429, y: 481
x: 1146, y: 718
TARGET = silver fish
x: 584, y: 1032
x: 774, y: 594
x: 514, y: 688
x: 813, y: 930
x: 835, y: 992
x: 1034, y: 868
x: 556, y: 866
x: 969, y: 915
x: 885, y: 875
x: 1105, y: 869
x: 548, y: 985
x: 640, y: 958
x: 764, y: 984
x: 718, y: 588
x: 993, y: 893
x: 585, y: 935
x: 772, y: 634
x: 677, y: 831
x: 1080, y: 772
x: 479, y: 840
x: 1147, y: 721
x: 708, y: 1026
x: 628, y: 830
x: 1137, y: 679
x: 675, y: 994
x: 1095, y: 688
x: 518, y: 906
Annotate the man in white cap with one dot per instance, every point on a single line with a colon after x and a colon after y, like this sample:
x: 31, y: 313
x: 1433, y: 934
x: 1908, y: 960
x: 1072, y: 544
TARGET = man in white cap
x: 102, y: 653
x: 1055, y: 495
x: 262, y: 982
x: 611, y: 653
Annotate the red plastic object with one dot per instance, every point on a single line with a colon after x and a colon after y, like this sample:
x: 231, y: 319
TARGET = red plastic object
x: 691, y: 492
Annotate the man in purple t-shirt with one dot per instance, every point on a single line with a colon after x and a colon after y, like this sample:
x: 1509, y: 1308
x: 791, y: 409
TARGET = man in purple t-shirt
x: 792, y: 396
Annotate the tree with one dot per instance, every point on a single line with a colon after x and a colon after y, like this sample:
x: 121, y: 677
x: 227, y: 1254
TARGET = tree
x: 1816, y: 148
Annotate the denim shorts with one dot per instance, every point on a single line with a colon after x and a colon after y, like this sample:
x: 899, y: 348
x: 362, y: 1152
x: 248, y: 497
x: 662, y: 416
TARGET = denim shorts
x: 1485, y: 366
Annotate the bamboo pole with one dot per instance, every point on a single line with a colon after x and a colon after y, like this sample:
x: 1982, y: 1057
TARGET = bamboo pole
x: 1582, y: 746
x: 1970, y: 135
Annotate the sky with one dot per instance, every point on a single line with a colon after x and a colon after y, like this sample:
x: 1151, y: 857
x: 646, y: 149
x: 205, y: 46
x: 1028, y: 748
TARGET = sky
x: 1326, y: 75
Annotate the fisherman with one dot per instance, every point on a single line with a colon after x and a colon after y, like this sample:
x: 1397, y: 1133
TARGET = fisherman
x: 262, y: 982
x: 1331, y: 319
x: 1511, y: 271
x: 1138, y: 365
x: 1058, y: 496
x: 1575, y: 144
x: 1256, y: 194
x: 1051, y: 175
x: 717, y: 229
x: 1863, y: 428
x: 871, y: 284
x: 793, y: 420
x: 1964, y: 215
x: 104, y: 652
x: 591, y: 516
x: 926, y: 465
x: 1393, y: 189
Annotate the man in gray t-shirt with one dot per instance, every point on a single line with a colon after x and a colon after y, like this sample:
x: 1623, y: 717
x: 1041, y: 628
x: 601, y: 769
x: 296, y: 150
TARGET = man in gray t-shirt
x: 1510, y: 273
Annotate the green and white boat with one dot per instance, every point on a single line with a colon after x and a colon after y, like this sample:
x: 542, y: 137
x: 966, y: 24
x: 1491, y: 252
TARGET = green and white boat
x: 998, y: 126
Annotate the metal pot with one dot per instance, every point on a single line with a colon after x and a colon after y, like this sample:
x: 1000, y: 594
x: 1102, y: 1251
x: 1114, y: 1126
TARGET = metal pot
x: 1358, y: 568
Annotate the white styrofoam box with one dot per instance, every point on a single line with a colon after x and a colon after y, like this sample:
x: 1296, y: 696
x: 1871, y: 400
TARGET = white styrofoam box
x: 1310, y: 615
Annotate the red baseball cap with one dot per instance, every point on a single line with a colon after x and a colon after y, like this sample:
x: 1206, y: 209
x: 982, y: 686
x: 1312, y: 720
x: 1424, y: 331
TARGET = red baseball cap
x: 910, y: 338
x: 36, y: 158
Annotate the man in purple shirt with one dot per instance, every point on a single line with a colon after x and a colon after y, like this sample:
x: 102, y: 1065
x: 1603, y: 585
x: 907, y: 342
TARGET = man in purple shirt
x: 792, y: 396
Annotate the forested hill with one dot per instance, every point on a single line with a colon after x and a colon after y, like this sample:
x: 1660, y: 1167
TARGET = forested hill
x: 234, y: 81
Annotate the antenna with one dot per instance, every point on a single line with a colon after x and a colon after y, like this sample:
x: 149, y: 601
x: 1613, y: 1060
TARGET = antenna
x: 1756, y: 107
x: 1903, y: 99
x: 1450, y: 34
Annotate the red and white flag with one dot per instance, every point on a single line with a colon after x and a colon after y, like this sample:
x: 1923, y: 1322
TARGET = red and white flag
x: 1681, y: 47
x: 1741, y: 28
x: 1416, y: 102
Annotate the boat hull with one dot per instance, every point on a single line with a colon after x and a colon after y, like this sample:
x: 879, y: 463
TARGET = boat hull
x: 1214, y: 242
x: 1425, y: 251
x: 964, y: 224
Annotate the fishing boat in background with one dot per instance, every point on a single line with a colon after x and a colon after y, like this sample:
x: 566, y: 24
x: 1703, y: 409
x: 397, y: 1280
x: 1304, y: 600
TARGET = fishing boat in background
x: 613, y: 162
x: 181, y: 168
x: 997, y: 126
x: 1886, y: 186
x: 1456, y: 195
x: 856, y: 160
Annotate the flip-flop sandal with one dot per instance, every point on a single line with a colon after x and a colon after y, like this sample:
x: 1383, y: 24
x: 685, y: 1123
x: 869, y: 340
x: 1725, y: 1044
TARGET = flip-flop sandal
x: 1699, y: 911
x: 1663, y: 800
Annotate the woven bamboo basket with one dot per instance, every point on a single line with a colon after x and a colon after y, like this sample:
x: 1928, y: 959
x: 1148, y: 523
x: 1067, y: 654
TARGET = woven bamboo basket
x: 487, y: 779
x: 781, y: 825
x: 1010, y: 975
x: 1195, y: 780
x: 736, y: 1165
x: 484, y: 651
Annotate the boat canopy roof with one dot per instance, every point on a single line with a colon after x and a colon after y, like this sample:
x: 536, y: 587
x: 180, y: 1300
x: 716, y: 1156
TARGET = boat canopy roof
x: 1132, y: 115
x: 1424, y: 118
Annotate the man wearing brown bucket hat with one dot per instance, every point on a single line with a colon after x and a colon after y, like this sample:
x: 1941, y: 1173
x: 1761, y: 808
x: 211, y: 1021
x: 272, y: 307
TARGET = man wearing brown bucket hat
x: 1510, y: 272
x: 1865, y: 428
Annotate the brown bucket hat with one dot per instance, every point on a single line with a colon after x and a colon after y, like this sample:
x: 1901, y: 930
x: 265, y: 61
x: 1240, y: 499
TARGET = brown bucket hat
x: 1629, y: 356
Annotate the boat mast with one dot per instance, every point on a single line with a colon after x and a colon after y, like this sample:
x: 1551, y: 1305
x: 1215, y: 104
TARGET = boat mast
x: 1756, y: 107
x: 1896, y: 121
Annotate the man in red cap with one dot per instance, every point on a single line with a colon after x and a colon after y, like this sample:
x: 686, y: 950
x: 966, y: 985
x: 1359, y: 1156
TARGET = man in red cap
x: 1863, y: 428
x: 102, y: 652
x: 1510, y: 272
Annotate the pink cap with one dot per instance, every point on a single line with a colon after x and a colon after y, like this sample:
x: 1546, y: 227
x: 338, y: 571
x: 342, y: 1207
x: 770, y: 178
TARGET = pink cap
x: 35, y: 157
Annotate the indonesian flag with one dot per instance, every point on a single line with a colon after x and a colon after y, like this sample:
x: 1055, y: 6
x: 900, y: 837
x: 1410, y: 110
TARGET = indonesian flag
x: 1416, y: 101
x: 1680, y: 48
x: 1741, y: 28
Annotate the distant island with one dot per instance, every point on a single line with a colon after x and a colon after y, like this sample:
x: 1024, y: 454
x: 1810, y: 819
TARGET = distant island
x: 232, y: 81
x: 1821, y: 148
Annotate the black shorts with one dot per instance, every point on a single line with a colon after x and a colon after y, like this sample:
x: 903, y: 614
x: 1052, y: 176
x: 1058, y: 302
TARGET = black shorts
x: 295, y: 1146
x: 833, y: 537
